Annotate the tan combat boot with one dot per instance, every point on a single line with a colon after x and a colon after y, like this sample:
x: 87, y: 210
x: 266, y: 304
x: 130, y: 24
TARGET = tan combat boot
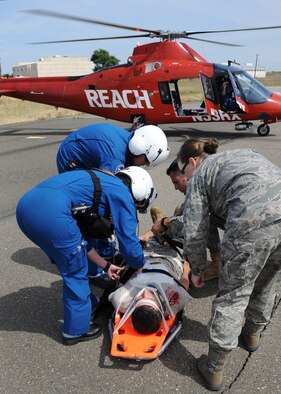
x: 212, y: 271
x: 156, y: 213
x: 250, y: 336
x: 211, y: 368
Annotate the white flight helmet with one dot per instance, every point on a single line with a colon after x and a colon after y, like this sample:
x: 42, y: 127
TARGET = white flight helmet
x: 151, y: 141
x: 141, y: 186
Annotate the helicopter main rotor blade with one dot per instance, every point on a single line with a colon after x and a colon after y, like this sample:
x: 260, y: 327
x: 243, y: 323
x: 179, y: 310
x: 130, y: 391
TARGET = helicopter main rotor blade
x: 215, y: 42
x: 165, y: 35
x: 86, y: 20
x: 90, y: 39
x: 188, y: 33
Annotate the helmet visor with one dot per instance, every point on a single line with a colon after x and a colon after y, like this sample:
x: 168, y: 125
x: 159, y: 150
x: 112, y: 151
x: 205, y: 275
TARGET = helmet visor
x: 144, y: 204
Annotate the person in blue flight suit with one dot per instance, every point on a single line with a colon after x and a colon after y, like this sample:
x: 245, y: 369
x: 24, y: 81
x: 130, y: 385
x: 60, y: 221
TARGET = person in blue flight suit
x: 44, y: 214
x: 112, y: 148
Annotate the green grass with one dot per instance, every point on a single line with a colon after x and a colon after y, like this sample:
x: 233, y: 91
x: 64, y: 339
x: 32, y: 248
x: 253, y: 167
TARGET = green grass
x: 272, y: 79
x: 15, y: 111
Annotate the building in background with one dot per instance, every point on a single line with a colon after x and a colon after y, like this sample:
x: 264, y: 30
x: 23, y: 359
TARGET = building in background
x: 54, y: 66
x: 255, y: 71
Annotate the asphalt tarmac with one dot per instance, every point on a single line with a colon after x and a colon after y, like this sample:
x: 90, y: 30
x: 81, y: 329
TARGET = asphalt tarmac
x: 32, y: 357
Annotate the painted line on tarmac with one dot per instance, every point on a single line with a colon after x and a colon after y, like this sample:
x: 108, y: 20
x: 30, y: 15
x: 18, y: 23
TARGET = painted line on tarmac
x: 35, y: 137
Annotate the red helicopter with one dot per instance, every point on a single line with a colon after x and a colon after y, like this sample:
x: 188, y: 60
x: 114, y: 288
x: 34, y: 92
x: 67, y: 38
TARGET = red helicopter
x: 149, y: 88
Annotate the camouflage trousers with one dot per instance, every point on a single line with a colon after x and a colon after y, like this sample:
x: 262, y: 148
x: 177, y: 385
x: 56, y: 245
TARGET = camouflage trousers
x: 249, y: 279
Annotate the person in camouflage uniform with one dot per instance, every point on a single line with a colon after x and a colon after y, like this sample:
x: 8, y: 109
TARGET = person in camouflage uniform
x: 242, y: 189
x: 172, y: 227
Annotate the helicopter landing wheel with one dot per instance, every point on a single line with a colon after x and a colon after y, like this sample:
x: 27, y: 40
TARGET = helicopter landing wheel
x: 263, y: 130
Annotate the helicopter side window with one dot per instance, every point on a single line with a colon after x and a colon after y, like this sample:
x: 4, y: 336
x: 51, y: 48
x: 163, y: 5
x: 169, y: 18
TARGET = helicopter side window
x: 174, y: 89
x: 207, y: 87
x: 252, y: 90
x: 165, y: 93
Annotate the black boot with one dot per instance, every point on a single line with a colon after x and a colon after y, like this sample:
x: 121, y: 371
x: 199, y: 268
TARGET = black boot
x: 211, y: 368
x: 95, y: 331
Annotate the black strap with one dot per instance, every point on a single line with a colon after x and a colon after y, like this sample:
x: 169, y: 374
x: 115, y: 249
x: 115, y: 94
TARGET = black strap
x: 174, y: 244
x: 103, y: 170
x: 159, y: 271
x: 97, y: 190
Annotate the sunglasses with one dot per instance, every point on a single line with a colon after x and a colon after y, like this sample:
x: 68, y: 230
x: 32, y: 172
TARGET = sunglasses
x: 183, y: 168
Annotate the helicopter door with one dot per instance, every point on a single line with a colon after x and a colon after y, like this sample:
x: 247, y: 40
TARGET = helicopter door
x: 242, y: 105
x: 208, y: 91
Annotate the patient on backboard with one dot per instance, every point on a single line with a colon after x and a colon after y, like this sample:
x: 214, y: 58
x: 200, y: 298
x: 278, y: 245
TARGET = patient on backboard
x: 155, y: 293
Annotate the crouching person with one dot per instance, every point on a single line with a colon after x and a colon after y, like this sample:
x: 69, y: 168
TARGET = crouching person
x: 45, y: 215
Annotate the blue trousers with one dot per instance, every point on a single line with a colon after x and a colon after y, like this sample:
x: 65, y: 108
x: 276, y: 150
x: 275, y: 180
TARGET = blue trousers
x: 42, y: 215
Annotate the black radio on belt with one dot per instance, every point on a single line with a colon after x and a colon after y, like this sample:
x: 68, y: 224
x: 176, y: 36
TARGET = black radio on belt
x: 87, y: 217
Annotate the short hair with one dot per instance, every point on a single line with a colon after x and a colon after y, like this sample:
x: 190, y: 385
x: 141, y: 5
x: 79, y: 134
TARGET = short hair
x: 173, y: 167
x: 146, y: 320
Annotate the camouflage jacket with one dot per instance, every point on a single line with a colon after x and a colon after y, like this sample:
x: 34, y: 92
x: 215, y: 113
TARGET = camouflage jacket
x: 241, y: 189
x: 176, y: 229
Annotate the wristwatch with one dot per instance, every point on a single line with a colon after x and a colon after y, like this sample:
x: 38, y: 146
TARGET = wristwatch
x: 106, y: 268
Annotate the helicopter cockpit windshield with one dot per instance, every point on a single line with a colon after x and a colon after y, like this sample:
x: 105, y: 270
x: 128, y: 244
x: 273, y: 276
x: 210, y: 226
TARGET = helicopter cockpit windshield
x: 233, y: 90
x: 251, y: 90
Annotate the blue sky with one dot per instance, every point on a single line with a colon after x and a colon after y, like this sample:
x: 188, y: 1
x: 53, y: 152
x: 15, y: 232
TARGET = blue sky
x: 17, y: 29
